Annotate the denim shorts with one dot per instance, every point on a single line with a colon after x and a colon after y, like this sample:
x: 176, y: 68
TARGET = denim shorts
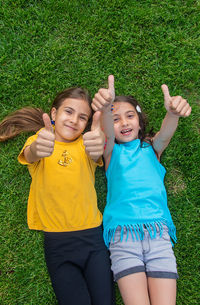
x: 154, y: 256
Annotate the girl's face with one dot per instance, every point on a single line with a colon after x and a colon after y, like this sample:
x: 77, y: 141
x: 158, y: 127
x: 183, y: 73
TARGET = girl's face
x: 70, y: 119
x: 126, y: 122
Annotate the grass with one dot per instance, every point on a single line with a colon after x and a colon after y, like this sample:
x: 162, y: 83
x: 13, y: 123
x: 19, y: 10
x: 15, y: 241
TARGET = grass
x: 46, y: 46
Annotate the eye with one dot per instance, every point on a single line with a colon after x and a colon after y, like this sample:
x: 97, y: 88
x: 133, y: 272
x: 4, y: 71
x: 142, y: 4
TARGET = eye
x: 130, y: 116
x: 116, y: 120
x: 68, y: 111
x: 83, y: 118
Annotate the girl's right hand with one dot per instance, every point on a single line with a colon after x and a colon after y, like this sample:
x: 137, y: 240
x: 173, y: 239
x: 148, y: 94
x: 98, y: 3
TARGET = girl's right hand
x: 103, y: 99
x: 43, y: 146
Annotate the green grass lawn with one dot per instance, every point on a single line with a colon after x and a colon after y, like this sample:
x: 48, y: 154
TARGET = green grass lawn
x: 46, y: 46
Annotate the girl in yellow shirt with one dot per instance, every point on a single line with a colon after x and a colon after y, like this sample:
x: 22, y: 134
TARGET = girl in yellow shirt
x: 62, y: 200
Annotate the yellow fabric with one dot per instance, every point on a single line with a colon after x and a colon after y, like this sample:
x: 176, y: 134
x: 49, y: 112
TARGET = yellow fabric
x: 62, y: 198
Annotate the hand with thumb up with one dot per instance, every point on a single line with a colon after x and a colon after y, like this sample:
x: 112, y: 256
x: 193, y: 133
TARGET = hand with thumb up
x: 104, y: 98
x: 43, y: 146
x: 175, y: 105
x: 94, y: 140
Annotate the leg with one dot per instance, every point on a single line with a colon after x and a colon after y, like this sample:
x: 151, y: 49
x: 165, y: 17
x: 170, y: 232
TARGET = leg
x: 65, y: 272
x: 69, y: 285
x: 133, y: 289
x: 99, y: 278
x: 128, y: 268
x: 162, y: 291
x: 161, y: 270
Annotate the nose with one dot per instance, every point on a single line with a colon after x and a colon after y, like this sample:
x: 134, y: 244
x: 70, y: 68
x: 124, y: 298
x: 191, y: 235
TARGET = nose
x: 123, y: 122
x: 74, y: 118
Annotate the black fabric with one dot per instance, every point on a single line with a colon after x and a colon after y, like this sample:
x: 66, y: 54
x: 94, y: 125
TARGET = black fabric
x: 79, y: 266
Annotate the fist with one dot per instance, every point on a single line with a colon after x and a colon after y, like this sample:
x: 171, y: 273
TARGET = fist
x: 94, y: 140
x: 104, y: 97
x: 175, y: 105
x: 44, y: 144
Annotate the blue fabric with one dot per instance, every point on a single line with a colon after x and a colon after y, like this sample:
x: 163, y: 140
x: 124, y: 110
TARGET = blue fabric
x: 136, y: 193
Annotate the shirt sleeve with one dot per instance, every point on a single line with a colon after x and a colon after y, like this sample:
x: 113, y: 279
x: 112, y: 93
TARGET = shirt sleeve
x: 21, y: 158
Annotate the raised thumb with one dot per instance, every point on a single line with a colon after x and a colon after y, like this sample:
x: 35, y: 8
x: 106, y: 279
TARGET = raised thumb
x: 47, y: 122
x: 111, y: 84
x: 166, y: 94
x: 96, y: 120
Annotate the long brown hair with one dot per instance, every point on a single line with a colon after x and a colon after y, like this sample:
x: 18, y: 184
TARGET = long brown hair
x: 30, y: 119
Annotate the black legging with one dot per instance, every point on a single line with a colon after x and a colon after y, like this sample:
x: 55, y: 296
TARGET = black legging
x: 79, y: 266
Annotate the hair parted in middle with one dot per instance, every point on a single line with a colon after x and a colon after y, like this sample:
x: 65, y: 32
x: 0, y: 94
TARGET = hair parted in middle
x: 29, y: 119
x: 74, y: 92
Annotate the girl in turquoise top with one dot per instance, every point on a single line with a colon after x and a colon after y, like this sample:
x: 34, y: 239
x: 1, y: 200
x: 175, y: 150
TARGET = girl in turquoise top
x: 138, y: 228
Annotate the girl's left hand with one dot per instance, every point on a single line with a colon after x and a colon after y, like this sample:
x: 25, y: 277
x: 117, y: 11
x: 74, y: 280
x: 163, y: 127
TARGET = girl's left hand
x: 94, y: 140
x: 175, y: 105
x: 103, y: 99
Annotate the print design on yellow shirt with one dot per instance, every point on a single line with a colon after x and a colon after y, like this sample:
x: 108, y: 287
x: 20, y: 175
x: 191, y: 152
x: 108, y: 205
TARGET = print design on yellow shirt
x: 66, y: 159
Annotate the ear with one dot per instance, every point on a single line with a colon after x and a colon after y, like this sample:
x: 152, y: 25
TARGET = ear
x: 53, y: 113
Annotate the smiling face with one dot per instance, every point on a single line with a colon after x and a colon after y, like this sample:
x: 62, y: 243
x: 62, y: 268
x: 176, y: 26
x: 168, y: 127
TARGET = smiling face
x: 71, y: 119
x: 126, y: 122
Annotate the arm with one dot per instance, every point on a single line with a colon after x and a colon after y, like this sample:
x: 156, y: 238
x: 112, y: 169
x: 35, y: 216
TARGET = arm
x: 176, y: 107
x: 43, y: 146
x: 102, y: 101
x: 108, y: 128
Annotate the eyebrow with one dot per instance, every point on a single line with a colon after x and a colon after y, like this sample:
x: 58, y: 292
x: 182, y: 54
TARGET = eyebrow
x: 84, y: 114
x: 131, y: 111
x: 116, y: 114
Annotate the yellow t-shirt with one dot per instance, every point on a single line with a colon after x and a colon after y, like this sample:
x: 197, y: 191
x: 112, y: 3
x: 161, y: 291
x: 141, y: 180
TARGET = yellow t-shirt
x: 62, y: 195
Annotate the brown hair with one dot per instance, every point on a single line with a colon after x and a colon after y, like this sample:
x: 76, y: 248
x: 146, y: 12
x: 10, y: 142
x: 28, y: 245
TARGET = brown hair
x: 142, y: 135
x: 30, y: 119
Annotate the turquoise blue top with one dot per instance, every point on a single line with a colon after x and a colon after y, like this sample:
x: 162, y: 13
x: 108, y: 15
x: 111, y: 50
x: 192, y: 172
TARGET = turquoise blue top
x: 136, y: 192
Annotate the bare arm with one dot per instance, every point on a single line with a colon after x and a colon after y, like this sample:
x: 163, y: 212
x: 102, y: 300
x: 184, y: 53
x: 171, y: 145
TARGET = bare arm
x: 176, y: 107
x: 102, y: 101
x: 108, y: 127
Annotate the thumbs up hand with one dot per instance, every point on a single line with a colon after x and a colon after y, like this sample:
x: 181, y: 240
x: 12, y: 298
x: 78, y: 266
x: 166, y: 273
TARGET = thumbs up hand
x: 103, y: 99
x: 175, y: 105
x: 94, y: 140
x: 43, y: 146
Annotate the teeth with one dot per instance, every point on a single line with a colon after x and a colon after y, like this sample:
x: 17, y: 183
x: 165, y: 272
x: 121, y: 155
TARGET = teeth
x: 125, y: 131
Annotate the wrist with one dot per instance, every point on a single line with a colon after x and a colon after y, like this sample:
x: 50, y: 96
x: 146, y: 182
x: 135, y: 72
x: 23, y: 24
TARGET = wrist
x: 32, y: 150
x: 107, y: 109
x: 172, y: 115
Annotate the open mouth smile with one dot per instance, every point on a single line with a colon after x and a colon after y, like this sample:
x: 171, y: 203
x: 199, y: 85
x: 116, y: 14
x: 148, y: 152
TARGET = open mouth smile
x: 126, y: 132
